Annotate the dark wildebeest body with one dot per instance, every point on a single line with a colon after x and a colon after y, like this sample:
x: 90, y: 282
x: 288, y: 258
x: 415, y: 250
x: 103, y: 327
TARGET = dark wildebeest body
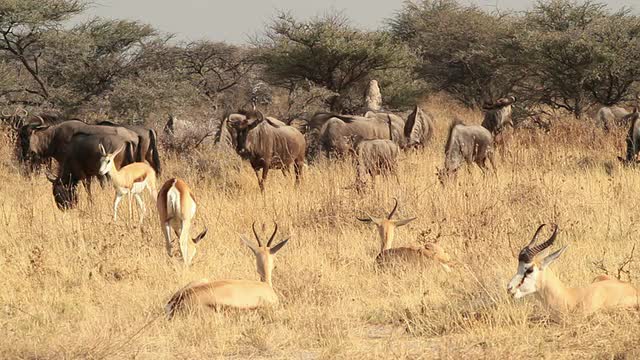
x: 268, y: 145
x: 147, y: 144
x: 338, y: 130
x: 53, y: 141
x: 376, y: 157
x: 498, y: 115
x: 466, y: 144
x: 418, y: 129
x: 633, y: 138
x: 83, y: 163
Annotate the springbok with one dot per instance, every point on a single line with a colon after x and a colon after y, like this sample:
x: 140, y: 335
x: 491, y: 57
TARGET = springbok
x: 388, y: 255
x: 176, y: 209
x: 238, y: 294
x: 535, y: 276
x: 131, y: 179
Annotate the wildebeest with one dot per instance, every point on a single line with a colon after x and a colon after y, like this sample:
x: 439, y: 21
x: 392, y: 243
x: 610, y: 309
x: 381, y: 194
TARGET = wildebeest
x: 83, y: 163
x: 498, y: 115
x: 466, y: 143
x: 268, y: 145
x: 633, y: 138
x: 376, y: 157
x: 339, y: 129
x: 418, y: 129
x: 147, y: 144
x: 609, y: 116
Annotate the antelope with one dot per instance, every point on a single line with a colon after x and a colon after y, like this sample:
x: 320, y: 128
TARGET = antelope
x: 238, y: 294
x: 388, y: 255
x: 131, y: 179
x: 176, y: 209
x: 535, y: 276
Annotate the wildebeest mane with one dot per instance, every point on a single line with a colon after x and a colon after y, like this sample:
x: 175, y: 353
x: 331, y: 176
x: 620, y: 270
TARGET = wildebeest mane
x: 453, y: 124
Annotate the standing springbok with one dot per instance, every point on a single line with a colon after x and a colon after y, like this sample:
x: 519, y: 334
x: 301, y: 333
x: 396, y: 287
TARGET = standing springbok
x: 535, y: 276
x: 388, y: 255
x: 176, y: 209
x: 131, y: 180
x: 238, y: 294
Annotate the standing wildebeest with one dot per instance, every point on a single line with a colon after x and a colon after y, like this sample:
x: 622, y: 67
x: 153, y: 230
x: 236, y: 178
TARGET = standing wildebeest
x: 376, y: 157
x: 418, y: 129
x: 466, y: 143
x: 633, y: 138
x: 268, y: 145
x: 82, y: 163
x: 337, y: 130
x: 498, y: 115
x: 610, y: 116
x: 147, y: 144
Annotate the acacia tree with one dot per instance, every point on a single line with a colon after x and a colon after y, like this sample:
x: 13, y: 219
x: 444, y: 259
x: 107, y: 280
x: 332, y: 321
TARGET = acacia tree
x: 329, y: 52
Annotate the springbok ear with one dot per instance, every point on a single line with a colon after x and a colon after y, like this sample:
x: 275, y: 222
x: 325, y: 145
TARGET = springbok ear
x: 552, y: 257
x: 249, y: 244
x: 403, y: 222
x: 277, y: 248
x: 621, y: 159
x: 103, y: 152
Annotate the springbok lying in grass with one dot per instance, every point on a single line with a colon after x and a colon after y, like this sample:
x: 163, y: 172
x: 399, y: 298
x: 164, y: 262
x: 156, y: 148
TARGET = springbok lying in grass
x: 388, y: 255
x: 176, y: 209
x: 238, y: 294
x: 535, y: 276
x: 130, y: 180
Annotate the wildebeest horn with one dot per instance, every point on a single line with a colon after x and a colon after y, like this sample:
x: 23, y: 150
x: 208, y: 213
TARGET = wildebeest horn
x: 528, y: 253
x: 4, y: 114
x: 41, y: 120
x: 395, y: 207
x: 255, y: 233
x: 272, y: 235
x: 25, y: 112
x: 260, y: 116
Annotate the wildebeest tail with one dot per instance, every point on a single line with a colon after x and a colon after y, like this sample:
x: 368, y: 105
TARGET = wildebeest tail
x: 390, y: 127
x: 631, y: 141
x: 453, y: 124
x: 153, y: 145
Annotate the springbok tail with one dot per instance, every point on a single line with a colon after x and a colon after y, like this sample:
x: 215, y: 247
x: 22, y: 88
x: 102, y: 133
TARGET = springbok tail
x: 173, y: 200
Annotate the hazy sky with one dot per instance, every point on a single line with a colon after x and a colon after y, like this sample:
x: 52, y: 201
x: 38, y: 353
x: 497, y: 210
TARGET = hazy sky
x: 235, y: 20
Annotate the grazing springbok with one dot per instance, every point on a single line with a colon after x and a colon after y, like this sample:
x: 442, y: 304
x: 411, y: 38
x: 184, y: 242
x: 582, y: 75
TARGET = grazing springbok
x: 633, y: 138
x: 466, y: 143
x: 268, y: 144
x: 376, y: 157
x: 176, y: 209
x: 238, y: 294
x: 535, y: 276
x: 498, y: 115
x: 388, y: 255
x: 130, y: 180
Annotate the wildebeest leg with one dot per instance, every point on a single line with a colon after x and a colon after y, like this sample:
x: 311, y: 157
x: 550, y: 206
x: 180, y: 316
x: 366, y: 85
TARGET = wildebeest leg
x: 142, y: 208
x: 102, y: 180
x: 265, y: 171
x: 167, y: 237
x: 115, y: 206
x: 297, y: 168
x: 87, y: 185
x: 257, y: 171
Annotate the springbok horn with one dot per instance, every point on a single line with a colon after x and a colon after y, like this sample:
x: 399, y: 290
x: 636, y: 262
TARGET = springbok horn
x: 538, y: 248
x: 535, y: 236
x: 395, y: 207
x: 272, y: 235
x: 528, y: 253
x: 255, y: 233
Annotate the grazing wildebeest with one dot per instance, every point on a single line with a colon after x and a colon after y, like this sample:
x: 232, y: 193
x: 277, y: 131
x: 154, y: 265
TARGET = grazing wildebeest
x: 633, y: 138
x: 268, y: 145
x: 336, y: 131
x: 466, y: 143
x: 82, y: 163
x: 418, y: 129
x: 376, y: 157
x: 498, y: 115
x: 41, y: 142
x: 147, y: 144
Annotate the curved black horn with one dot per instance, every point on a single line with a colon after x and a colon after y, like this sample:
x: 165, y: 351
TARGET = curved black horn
x: 528, y: 253
x: 535, y: 236
x: 538, y: 248
x: 272, y: 235
x: 255, y: 233
x: 395, y: 207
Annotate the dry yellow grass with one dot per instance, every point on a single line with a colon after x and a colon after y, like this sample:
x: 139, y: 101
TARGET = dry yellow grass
x: 76, y: 285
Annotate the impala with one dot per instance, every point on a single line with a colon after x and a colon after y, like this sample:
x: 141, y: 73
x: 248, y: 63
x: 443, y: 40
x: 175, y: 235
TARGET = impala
x: 130, y: 180
x: 176, y: 209
x: 386, y: 229
x: 238, y: 294
x: 535, y: 276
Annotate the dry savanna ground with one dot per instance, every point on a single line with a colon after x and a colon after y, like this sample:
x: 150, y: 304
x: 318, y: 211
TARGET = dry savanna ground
x: 77, y: 285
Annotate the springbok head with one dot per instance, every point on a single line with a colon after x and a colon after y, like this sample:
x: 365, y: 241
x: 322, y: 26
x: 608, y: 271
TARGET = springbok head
x: 106, y: 159
x: 265, y: 254
x: 386, y: 225
x: 530, y: 268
